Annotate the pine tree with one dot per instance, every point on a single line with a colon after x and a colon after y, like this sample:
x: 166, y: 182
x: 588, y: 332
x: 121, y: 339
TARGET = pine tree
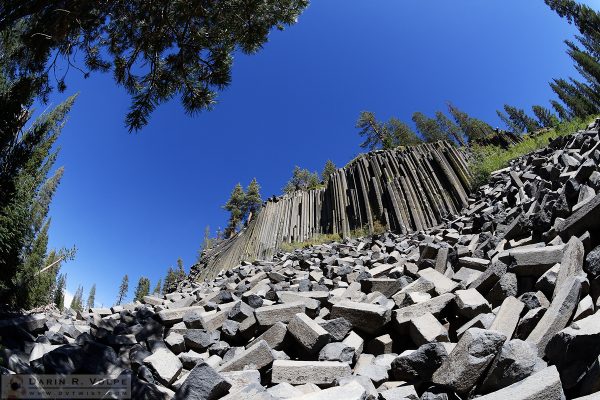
x: 77, y: 302
x: 252, y: 200
x: 562, y: 112
x: 59, y: 291
x: 401, y: 134
x: 576, y: 101
x: 545, y: 117
x: 428, y: 127
x: 449, y: 128
x: 180, y: 274
x: 235, y: 206
x: 520, y: 119
x: 157, y: 288
x: 207, y: 243
x: 473, y: 128
x: 375, y: 133
x: 184, y: 48
x: 26, y: 195
x: 91, y: 297
x: 123, y: 289
x: 328, y: 170
x: 170, y: 281
x: 509, y: 123
x: 142, y: 289
x: 302, y: 179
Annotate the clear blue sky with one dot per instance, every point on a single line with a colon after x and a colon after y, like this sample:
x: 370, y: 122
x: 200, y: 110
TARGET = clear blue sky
x: 134, y: 203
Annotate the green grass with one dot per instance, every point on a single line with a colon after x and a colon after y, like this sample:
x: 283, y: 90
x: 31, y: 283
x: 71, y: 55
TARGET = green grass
x: 378, y: 228
x: 487, y: 159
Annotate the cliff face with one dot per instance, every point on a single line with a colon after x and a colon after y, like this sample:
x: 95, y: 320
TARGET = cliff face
x: 403, y: 189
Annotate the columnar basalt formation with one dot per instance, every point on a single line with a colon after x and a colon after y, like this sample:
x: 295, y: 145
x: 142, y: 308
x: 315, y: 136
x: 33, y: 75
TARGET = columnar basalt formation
x: 404, y: 190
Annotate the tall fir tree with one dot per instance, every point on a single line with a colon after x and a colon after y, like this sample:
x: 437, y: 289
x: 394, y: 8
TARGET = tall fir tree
x: 544, y: 116
x: 561, y: 111
x: 77, y: 302
x: 158, y: 287
x: 428, y: 127
x: 401, y: 134
x: 510, y: 125
x: 123, y: 289
x: 520, y: 119
x: 169, y: 282
x: 328, y: 170
x: 449, y: 128
x: 177, y: 47
x: 375, y: 133
x: 207, y: 243
x: 252, y: 200
x: 142, y: 289
x: 235, y: 206
x: 302, y: 179
x: 91, y: 300
x: 474, y: 129
x: 59, y: 291
x: 180, y: 271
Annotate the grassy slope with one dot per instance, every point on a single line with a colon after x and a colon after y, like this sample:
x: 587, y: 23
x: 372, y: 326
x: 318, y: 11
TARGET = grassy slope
x: 487, y: 159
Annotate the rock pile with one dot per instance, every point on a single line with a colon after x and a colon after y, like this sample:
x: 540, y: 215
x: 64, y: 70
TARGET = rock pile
x: 500, y: 301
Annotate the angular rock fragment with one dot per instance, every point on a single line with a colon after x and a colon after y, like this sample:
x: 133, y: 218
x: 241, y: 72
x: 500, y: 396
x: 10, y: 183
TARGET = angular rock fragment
x: 300, y: 372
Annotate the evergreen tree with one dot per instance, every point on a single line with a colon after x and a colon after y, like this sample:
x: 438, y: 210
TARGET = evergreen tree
x: 252, y: 200
x: 142, y: 289
x: 235, y: 206
x: 428, y: 127
x: 328, y: 170
x: 91, y: 297
x: 157, y: 288
x: 206, y: 243
x: 123, y: 289
x: 170, y: 281
x: 180, y: 272
x: 302, y: 179
x: 77, y: 302
x: 154, y: 50
x: 562, y: 112
x: 576, y: 101
x: 545, y: 117
x: 473, y: 128
x: 401, y: 134
x: 375, y: 133
x: 449, y: 128
x: 59, y: 291
x: 520, y: 119
x: 508, y: 122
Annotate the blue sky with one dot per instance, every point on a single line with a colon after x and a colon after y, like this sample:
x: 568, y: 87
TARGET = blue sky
x: 134, y: 203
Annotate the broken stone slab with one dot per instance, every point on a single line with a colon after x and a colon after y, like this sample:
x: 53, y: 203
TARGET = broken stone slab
x: 426, y: 329
x: 354, y: 341
x: 400, y: 393
x: 489, y: 277
x: 363, y: 316
x: 258, y: 356
x: 199, y: 339
x: 166, y: 365
x: 557, y: 316
x: 534, y: 261
x: 516, y: 361
x: 507, y: 318
x: 310, y: 335
x: 240, y: 379
x: 386, y: 286
x: 337, y: 351
x: 435, y: 306
x: 174, y: 315
x: 442, y: 283
x: 300, y: 372
x: 575, y: 349
x: 350, y: 391
x: 571, y: 264
x: 419, y: 364
x: 202, y: 383
x: 420, y: 285
x: 473, y: 353
x: 544, y: 384
x: 274, y: 336
x: 584, y: 219
x: 470, y: 303
x: 338, y: 328
x: 269, y: 315
x: 365, y: 366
